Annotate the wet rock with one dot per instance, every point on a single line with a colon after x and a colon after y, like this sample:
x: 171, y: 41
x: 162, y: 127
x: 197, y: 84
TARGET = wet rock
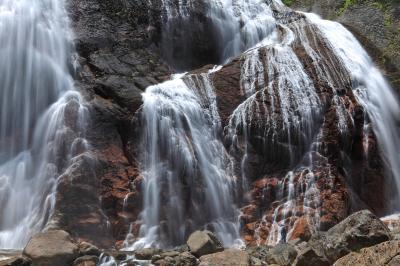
x: 301, y: 230
x: 203, y: 242
x: 232, y: 257
x: 146, y: 253
x: 86, y: 248
x: 359, y: 230
x: 51, y: 248
x: 386, y: 253
x: 86, y: 261
x: 281, y: 254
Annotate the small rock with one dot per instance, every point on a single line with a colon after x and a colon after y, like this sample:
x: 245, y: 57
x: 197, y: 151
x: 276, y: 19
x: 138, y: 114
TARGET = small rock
x: 86, y: 248
x: 203, y: 242
x: 146, y: 253
x: 51, y: 248
x: 281, y: 254
x: 231, y: 257
x: 86, y: 261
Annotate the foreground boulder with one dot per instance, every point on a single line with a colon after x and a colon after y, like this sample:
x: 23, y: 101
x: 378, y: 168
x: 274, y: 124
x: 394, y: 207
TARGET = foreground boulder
x: 203, y: 242
x: 387, y: 253
x: 17, y: 261
x: 359, y: 230
x: 281, y: 254
x: 51, y: 248
x: 232, y: 257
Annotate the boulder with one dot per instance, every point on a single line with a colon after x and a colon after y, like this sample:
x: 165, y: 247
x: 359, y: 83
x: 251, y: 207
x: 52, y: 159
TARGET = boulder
x: 386, y: 253
x: 87, y: 249
x: 51, y: 248
x: 359, y: 230
x: 86, y: 261
x: 16, y: 261
x: 308, y: 256
x: 231, y: 257
x: 281, y: 254
x: 203, y: 242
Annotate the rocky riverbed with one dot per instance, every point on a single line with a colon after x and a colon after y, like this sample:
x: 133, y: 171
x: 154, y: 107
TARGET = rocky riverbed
x: 361, y: 239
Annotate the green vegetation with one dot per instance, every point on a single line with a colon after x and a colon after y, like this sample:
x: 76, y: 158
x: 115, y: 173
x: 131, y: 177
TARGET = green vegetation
x: 288, y: 2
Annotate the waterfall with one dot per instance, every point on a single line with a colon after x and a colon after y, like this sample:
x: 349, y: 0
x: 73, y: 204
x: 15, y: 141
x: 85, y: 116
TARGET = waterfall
x: 190, y: 174
x: 42, y: 117
x: 188, y: 183
x: 371, y: 90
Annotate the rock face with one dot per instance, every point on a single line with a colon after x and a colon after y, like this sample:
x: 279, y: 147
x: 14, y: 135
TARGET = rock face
x: 359, y: 230
x: 203, y: 242
x: 51, y: 248
x: 387, y: 253
x: 100, y: 197
x: 227, y: 257
x: 375, y: 23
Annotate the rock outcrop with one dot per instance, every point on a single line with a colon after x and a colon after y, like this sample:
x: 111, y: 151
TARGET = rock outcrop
x: 120, y: 53
x: 375, y: 23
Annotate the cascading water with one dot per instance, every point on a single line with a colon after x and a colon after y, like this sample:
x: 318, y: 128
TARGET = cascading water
x: 231, y: 28
x: 187, y: 180
x: 189, y: 176
x: 371, y: 90
x: 41, y: 120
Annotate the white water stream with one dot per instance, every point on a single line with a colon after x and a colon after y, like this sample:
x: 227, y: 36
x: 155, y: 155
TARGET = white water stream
x: 41, y: 116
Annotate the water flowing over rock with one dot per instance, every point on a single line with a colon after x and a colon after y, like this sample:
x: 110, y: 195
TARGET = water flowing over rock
x: 42, y: 117
x: 280, y: 129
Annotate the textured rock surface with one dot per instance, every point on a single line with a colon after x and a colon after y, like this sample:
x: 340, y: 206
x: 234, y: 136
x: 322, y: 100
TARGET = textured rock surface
x: 86, y: 261
x: 387, y: 253
x: 51, y: 248
x: 203, y: 242
x: 118, y: 58
x: 281, y: 254
x: 228, y: 257
x: 375, y: 23
x: 359, y: 230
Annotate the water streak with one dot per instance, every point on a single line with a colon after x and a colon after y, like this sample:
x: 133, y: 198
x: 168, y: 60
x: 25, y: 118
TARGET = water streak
x: 41, y: 117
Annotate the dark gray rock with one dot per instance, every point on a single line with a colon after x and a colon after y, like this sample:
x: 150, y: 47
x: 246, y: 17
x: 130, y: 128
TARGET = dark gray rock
x: 281, y: 254
x: 308, y: 257
x: 359, y: 230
